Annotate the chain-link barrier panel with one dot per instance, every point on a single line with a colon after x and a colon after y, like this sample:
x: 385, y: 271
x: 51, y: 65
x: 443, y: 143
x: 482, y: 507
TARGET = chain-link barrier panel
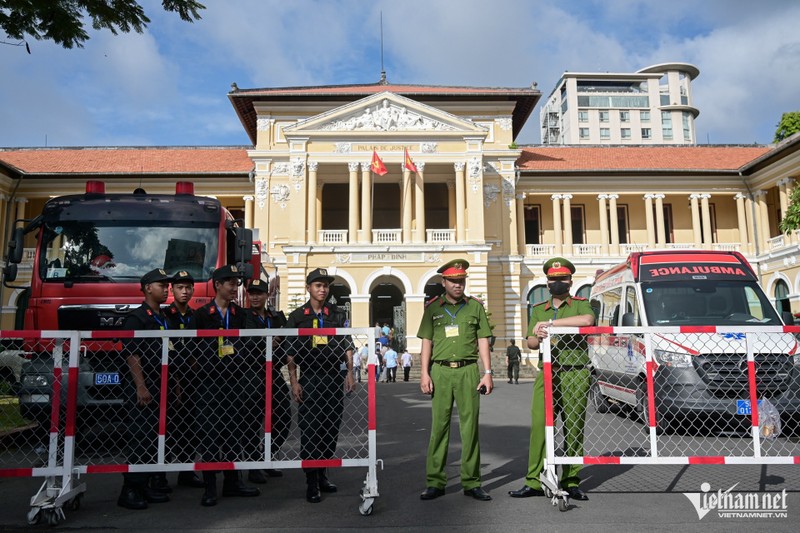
x: 673, y: 395
x: 34, y: 393
x: 199, y: 399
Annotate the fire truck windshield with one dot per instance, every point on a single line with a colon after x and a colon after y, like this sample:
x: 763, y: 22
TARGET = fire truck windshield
x: 92, y: 252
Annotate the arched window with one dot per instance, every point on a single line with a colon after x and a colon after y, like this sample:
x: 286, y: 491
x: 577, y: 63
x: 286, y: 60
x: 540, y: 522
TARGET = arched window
x: 538, y: 294
x: 584, y: 292
x: 782, y: 296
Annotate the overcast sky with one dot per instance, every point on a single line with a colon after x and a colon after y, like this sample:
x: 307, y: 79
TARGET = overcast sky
x: 168, y: 86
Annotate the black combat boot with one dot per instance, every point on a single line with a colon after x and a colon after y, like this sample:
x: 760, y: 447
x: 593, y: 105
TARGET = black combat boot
x: 325, y: 484
x: 209, y: 498
x: 312, y: 486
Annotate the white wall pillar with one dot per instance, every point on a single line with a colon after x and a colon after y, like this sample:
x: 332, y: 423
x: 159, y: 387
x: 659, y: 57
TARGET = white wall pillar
x: 567, y: 223
x: 419, y: 202
x: 612, y: 213
x: 352, y: 189
x: 366, y: 203
x: 696, y: 231
x: 556, y: 198
x: 312, y: 222
x: 601, y: 198
x: 705, y: 211
x: 661, y: 234
x: 648, y: 217
x: 460, y: 200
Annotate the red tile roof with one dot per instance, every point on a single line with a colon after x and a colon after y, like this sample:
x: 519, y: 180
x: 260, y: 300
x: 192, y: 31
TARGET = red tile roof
x: 144, y: 160
x: 637, y: 158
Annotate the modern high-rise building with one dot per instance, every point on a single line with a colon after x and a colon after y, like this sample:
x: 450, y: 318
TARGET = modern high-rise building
x: 651, y: 106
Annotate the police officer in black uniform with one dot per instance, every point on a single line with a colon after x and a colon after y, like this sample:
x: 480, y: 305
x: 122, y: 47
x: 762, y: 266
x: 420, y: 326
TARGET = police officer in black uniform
x: 222, y: 363
x: 143, y: 379
x: 180, y: 414
x: 321, y: 387
x: 259, y: 316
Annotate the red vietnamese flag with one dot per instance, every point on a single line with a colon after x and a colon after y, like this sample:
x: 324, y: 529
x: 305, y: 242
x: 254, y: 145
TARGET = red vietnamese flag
x: 408, y: 163
x: 377, y: 165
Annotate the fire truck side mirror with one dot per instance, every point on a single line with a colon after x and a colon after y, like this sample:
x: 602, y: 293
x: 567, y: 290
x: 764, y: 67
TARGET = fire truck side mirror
x: 10, y: 272
x: 16, y: 246
x: 246, y: 269
x: 244, y: 245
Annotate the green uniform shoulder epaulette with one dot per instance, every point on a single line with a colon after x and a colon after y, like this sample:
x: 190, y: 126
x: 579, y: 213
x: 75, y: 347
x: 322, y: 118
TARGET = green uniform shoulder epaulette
x: 429, y: 302
x: 541, y: 303
x: 579, y: 298
x: 477, y: 300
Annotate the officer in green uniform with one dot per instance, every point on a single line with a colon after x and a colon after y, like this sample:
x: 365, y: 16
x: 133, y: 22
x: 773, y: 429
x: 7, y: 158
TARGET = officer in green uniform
x: 571, y: 377
x: 455, y: 332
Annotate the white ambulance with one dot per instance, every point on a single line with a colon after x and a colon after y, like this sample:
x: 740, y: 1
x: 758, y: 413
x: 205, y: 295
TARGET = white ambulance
x: 698, y: 376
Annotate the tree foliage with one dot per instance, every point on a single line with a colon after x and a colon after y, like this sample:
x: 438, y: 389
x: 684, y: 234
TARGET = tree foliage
x: 789, y: 124
x: 791, y: 219
x: 62, y: 21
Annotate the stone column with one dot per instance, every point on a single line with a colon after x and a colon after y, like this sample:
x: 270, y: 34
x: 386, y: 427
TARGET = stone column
x: 612, y: 208
x: 366, y: 204
x: 661, y: 234
x: 248, y: 211
x: 405, y: 199
x: 451, y: 204
x: 763, y: 219
x: 21, y: 209
x: 741, y: 221
x: 705, y: 211
x: 557, y: 223
x: 460, y: 200
x: 312, y: 202
x: 567, y: 223
x: 696, y: 232
x: 782, y: 197
x: 648, y: 217
x: 261, y: 214
x: 789, y: 186
x: 3, y: 227
x: 521, y: 224
x: 750, y: 216
x: 419, y: 203
x: 352, y: 221
x: 513, y: 227
x: 601, y: 198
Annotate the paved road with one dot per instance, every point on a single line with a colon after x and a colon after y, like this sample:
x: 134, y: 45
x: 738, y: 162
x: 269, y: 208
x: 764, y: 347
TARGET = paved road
x: 623, y: 498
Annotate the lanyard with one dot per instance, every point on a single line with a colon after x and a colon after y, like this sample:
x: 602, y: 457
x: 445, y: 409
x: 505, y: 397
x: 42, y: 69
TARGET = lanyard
x: 453, y: 315
x: 264, y: 322
x: 320, y: 317
x: 162, y: 323
x: 184, y: 322
x: 225, y: 318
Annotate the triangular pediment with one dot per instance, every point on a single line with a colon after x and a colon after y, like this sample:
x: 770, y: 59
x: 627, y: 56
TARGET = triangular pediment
x: 385, y: 112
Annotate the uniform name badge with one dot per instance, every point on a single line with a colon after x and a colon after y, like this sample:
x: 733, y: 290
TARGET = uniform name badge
x: 225, y: 347
x: 318, y: 340
x: 451, y: 330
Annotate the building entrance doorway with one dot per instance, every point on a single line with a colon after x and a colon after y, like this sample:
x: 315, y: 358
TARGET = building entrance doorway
x: 387, y: 306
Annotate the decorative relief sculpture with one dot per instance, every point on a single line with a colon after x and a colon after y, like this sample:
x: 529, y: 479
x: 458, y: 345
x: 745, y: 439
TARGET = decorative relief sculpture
x: 342, y: 148
x: 280, y: 169
x: 263, y: 124
x: 504, y: 123
x: 280, y: 194
x: 387, y: 117
x: 262, y: 191
x: 298, y: 174
x: 475, y: 170
x: 508, y: 190
x: 429, y: 148
x: 490, y: 194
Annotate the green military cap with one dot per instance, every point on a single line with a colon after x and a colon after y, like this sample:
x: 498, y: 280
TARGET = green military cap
x: 558, y: 266
x: 457, y: 268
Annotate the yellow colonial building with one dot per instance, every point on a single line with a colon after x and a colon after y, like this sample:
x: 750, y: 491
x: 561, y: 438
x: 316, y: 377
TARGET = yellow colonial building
x: 306, y: 184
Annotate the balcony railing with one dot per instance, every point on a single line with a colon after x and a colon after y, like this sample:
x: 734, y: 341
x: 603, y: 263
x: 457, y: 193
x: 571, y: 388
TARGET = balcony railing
x: 583, y: 250
x: 540, y: 249
x: 726, y: 246
x: 386, y: 236
x: 440, y: 235
x: 332, y: 236
x: 776, y: 242
x: 629, y: 248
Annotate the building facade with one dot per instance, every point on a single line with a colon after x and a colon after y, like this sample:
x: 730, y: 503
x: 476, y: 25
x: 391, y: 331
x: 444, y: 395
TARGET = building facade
x: 307, y: 187
x: 651, y: 106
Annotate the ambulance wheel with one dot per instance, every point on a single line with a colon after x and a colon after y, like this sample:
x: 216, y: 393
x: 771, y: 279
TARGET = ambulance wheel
x: 563, y: 505
x: 599, y: 402
x: 642, y: 410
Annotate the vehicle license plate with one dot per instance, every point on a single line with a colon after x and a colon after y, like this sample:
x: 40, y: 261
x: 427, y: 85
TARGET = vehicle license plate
x: 743, y: 407
x: 106, y: 378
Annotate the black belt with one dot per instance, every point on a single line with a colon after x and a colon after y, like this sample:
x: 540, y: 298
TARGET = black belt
x: 455, y: 364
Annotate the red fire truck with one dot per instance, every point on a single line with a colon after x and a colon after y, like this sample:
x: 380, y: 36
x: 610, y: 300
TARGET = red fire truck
x: 91, y: 251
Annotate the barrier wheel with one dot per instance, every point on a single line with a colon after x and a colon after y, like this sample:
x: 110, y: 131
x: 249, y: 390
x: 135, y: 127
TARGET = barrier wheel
x: 563, y: 505
x: 75, y: 503
x: 366, y: 507
x: 34, y: 516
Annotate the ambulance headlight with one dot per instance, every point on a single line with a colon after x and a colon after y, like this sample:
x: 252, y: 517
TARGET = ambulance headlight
x: 673, y: 359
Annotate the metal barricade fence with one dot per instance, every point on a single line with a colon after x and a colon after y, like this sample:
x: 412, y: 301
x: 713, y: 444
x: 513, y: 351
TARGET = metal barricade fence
x: 212, y: 400
x: 671, y: 395
x: 37, y: 417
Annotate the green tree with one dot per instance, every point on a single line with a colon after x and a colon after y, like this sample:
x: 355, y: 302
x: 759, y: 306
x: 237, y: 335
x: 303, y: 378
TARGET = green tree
x: 62, y: 21
x: 789, y: 124
x: 791, y: 219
